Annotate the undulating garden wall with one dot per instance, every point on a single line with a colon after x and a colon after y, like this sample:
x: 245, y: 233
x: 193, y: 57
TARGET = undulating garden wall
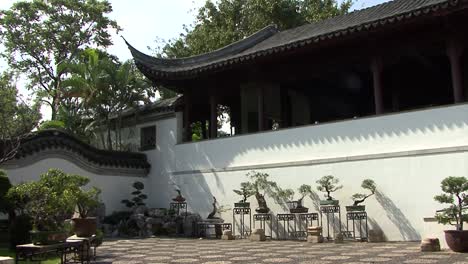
x: 112, y: 172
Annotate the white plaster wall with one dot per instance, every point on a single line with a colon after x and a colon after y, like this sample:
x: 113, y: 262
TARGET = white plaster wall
x: 435, y: 128
x: 114, y: 188
x: 406, y: 185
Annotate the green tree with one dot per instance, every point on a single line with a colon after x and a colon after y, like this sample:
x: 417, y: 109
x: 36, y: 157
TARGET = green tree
x: 226, y: 21
x: 40, y: 35
x: 17, y: 119
x: 106, y: 88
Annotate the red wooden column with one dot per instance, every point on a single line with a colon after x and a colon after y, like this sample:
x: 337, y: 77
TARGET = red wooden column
x: 261, y: 114
x: 454, y: 52
x: 213, y: 116
x: 187, y: 118
x: 377, y: 70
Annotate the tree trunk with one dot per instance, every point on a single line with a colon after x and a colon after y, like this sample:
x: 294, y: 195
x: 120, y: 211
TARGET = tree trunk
x: 109, y: 139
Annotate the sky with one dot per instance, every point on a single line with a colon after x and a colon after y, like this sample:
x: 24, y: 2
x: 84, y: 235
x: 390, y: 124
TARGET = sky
x: 145, y: 21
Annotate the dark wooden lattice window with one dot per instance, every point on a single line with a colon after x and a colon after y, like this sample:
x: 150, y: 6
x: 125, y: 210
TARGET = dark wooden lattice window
x: 148, y: 137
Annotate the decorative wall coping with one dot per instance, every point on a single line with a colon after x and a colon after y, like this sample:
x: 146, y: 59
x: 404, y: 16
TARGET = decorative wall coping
x: 58, y: 144
x: 389, y: 155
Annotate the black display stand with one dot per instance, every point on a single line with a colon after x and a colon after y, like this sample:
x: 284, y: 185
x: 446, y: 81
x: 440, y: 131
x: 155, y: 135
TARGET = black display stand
x: 357, y: 219
x: 263, y: 219
x: 179, y: 208
x: 241, y: 213
x: 330, y: 211
x: 286, y: 220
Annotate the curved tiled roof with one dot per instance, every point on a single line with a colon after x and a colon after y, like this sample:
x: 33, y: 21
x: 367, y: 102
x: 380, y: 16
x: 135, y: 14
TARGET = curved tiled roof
x: 358, y: 21
x: 57, y: 140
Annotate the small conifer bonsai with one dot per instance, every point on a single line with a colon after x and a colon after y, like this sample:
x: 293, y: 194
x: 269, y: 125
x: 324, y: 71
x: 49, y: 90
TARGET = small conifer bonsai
x: 456, y: 195
x: 359, y: 198
x: 328, y: 184
x: 245, y: 191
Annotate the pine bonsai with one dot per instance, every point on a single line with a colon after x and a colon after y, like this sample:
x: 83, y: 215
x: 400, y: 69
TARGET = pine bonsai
x: 138, y: 196
x: 455, y: 193
x: 359, y: 198
x: 245, y: 191
x: 328, y: 184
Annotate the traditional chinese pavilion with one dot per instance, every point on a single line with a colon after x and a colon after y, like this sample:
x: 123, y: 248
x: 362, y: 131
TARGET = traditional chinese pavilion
x: 394, y: 57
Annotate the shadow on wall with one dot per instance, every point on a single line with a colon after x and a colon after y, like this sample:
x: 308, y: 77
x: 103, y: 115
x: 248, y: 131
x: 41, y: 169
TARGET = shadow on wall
x: 407, y: 231
x: 405, y: 125
x: 373, y: 225
x: 197, y: 193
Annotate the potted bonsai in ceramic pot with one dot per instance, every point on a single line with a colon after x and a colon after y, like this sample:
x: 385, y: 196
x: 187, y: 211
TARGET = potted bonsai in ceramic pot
x: 328, y: 184
x: 49, y: 201
x: 296, y: 206
x: 260, y: 186
x: 359, y: 198
x: 86, y: 202
x: 456, y: 195
x: 245, y: 191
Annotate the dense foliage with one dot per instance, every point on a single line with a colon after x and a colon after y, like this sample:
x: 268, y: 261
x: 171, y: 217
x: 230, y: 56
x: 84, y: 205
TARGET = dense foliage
x: 17, y: 118
x: 138, y: 196
x: 40, y: 35
x: 226, y: 21
x: 456, y: 195
x: 50, y: 200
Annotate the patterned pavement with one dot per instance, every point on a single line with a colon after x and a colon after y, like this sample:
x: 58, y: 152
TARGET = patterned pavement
x: 175, y: 250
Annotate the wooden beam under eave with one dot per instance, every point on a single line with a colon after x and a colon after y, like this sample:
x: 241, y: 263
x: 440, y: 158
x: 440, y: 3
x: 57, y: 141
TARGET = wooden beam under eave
x: 213, y: 116
x: 454, y: 53
x: 377, y: 75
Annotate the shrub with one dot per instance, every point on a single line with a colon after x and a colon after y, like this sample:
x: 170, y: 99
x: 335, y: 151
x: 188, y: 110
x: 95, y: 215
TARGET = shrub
x: 50, y: 200
x: 328, y: 184
x: 456, y: 194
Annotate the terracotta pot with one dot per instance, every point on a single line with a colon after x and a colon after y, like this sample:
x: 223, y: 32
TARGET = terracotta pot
x: 84, y: 227
x: 457, y: 240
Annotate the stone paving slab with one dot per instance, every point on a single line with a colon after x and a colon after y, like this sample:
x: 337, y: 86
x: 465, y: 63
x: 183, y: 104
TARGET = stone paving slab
x: 170, y: 250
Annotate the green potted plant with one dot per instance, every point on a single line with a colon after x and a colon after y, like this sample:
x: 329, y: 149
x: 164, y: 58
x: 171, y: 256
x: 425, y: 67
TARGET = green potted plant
x: 245, y: 191
x: 328, y: 184
x: 359, y: 198
x: 86, y: 202
x: 456, y: 195
x: 260, y: 186
x: 49, y: 201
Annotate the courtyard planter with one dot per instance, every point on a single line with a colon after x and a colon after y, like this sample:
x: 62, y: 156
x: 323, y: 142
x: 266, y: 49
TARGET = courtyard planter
x: 457, y: 240
x: 47, y: 237
x: 84, y: 227
x: 356, y: 208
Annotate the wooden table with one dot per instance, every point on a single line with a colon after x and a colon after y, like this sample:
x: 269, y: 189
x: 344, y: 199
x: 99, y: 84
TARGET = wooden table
x: 73, y: 250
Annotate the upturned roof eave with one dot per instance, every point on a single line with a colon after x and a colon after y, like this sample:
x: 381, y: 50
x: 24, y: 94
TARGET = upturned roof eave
x: 185, y: 71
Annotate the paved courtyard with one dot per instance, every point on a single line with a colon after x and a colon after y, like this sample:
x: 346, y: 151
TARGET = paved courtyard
x: 168, y: 250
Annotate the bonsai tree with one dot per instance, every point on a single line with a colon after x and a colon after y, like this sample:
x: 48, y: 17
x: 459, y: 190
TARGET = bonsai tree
x: 260, y: 186
x: 328, y: 184
x: 87, y: 201
x: 359, y: 198
x: 303, y: 190
x: 245, y: 191
x: 455, y: 194
x: 138, y: 196
x: 51, y: 200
